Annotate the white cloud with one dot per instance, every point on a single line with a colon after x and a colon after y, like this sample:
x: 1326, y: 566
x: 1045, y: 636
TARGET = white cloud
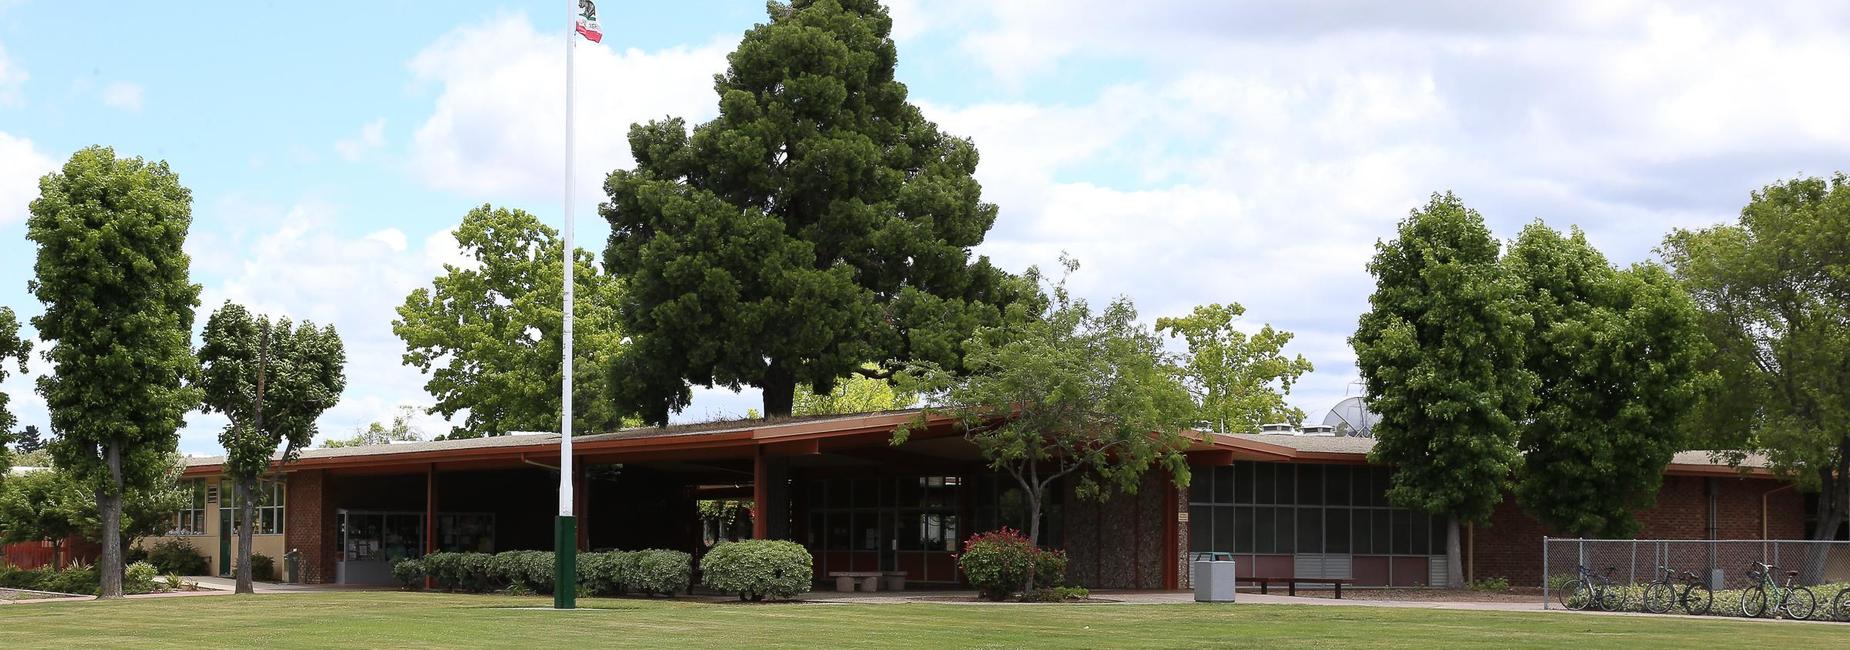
x: 11, y: 78
x: 21, y: 165
x: 371, y: 136
x: 122, y: 95
x: 1271, y: 145
x: 497, y: 127
x: 306, y: 270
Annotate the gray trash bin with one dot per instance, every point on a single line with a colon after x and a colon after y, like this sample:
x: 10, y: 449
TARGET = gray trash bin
x: 1213, y: 578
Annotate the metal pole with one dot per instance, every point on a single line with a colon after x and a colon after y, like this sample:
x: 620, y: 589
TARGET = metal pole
x: 1545, y: 575
x: 565, y: 531
x: 1634, y: 570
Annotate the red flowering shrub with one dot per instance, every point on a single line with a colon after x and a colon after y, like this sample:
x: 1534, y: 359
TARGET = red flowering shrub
x: 999, y: 562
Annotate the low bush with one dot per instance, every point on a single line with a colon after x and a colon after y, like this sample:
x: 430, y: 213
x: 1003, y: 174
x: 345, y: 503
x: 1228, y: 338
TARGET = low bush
x: 1498, y: 584
x: 998, y: 563
x: 138, y: 578
x: 78, y: 578
x: 755, y: 569
x: 660, y: 572
x: 1056, y: 595
x: 12, y: 577
x: 529, y: 570
x: 263, y: 568
x: 177, y: 556
x: 409, y: 573
x: 598, y: 573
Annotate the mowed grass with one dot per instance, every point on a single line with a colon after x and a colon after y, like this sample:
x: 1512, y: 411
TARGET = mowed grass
x: 428, y: 620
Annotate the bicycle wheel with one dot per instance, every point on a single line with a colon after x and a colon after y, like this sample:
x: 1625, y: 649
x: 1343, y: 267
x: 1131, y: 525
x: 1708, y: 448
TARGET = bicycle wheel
x: 1611, y: 598
x: 1753, y: 602
x: 1842, y: 606
x: 1577, y: 596
x: 1697, y: 599
x: 1659, y: 597
x: 1800, y: 603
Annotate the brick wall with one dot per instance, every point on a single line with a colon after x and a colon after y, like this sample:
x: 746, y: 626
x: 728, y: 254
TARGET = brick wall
x: 310, y: 525
x: 1511, y: 547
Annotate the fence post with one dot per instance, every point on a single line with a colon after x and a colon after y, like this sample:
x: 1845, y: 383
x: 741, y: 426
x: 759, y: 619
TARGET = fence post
x: 1545, y: 574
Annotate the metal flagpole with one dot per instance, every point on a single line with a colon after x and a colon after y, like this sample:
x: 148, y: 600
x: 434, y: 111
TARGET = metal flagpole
x: 565, y: 532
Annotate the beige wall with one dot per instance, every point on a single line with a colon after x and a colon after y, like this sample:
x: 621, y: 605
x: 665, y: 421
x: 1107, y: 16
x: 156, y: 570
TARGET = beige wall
x: 208, y: 544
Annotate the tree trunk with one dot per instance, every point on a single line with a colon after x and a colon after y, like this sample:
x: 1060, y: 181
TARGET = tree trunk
x: 1454, y: 556
x: 245, y: 509
x: 1833, y: 508
x: 1034, y: 534
x: 109, y: 509
x: 780, y: 387
x: 57, y: 554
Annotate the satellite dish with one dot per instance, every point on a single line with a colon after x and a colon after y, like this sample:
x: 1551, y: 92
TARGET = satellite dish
x: 1352, y: 418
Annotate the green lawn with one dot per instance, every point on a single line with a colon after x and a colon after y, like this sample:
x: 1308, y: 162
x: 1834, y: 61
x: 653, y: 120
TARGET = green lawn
x: 415, y: 620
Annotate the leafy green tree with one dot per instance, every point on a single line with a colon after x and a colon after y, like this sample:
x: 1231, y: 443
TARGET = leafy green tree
x: 12, y: 347
x: 146, y: 512
x: 400, y: 430
x: 1616, y: 354
x: 1059, y: 390
x: 1441, y: 353
x: 112, y: 273
x: 1774, y: 289
x: 489, y: 333
x: 1239, y: 381
x: 856, y: 394
x: 271, y: 380
x: 819, y: 223
x: 44, y: 505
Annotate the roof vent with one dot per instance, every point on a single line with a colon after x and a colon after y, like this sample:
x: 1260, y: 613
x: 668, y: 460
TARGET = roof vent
x: 1317, y: 430
x: 1278, y: 428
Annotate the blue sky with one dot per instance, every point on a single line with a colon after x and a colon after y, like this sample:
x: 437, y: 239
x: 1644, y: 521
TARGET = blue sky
x: 1184, y: 152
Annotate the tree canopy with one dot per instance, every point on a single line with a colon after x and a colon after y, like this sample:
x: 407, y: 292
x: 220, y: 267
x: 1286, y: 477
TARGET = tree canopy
x: 1441, y: 352
x: 112, y: 272
x: 1616, y: 356
x: 14, y: 348
x: 1774, y: 290
x: 272, y: 381
x: 1060, y: 390
x: 43, y: 505
x: 856, y: 394
x: 1239, y: 381
x: 400, y: 430
x: 489, y: 333
x: 820, y: 222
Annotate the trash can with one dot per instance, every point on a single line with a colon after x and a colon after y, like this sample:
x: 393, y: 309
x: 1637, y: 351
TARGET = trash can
x: 292, y: 565
x: 1213, y: 578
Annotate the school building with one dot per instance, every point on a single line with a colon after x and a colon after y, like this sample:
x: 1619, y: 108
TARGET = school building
x: 1281, y: 504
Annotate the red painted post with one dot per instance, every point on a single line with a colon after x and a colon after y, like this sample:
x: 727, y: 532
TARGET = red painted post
x: 761, y: 495
x: 430, y: 515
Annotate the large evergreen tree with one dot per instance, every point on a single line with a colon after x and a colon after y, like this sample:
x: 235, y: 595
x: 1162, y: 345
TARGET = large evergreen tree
x: 271, y: 380
x: 112, y: 272
x: 1616, y: 354
x: 1441, y: 353
x: 820, y: 222
x: 1774, y: 289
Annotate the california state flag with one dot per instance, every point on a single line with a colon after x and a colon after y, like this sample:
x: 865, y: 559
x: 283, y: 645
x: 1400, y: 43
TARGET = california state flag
x: 587, y: 22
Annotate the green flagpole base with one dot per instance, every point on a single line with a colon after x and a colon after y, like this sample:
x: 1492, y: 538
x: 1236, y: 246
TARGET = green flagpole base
x: 565, y: 563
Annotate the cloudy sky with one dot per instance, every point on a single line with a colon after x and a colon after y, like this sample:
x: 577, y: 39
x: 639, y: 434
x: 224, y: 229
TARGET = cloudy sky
x: 1184, y: 152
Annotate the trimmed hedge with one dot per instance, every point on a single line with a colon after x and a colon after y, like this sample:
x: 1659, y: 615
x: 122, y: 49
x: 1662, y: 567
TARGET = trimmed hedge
x: 599, y: 574
x: 757, y: 568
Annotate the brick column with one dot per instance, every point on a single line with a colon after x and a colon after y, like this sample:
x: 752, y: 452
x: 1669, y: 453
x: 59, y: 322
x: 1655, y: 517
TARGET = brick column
x: 308, y: 525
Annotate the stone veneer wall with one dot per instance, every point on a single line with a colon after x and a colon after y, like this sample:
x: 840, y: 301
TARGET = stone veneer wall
x: 1119, y: 542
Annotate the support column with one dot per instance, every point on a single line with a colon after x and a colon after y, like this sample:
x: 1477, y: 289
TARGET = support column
x: 761, y: 495
x: 430, y: 516
x: 770, y: 496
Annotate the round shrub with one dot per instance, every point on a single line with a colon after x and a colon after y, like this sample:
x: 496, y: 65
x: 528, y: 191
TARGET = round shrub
x: 409, y: 573
x: 660, y: 572
x: 757, y: 568
x: 997, y: 563
x: 597, y: 573
x: 138, y: 578
x: 528, y: 570
x: 177, y: 556
x: 1049, y: 568
x: 263, y: 568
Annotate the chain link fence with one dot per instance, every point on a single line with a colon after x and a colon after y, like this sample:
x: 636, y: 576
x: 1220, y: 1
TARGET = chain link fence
x: 1724, y: 566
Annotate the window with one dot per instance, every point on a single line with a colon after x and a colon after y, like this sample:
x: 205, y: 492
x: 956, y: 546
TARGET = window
x: 268, y: 511
x: 191, y: 520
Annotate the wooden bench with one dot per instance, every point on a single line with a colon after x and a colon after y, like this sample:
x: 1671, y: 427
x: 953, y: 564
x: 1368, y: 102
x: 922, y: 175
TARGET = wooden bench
x: 870, y: 580
x: 1291, y: 583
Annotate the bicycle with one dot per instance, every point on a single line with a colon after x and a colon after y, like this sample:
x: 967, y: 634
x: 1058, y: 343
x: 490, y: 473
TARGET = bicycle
x: 1796, y: 601
x: 1591, y: 588
x: 1669, y: 589
x: 1840, y: 606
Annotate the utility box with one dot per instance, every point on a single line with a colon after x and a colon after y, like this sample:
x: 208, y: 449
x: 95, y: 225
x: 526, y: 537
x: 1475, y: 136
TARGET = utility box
x: 1213, y: 580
